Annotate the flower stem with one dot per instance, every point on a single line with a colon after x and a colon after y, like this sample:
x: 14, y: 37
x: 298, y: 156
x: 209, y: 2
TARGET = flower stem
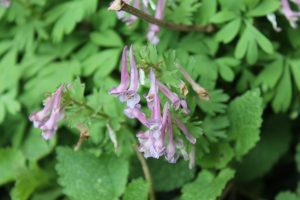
x: 120, y: 5
x: 82, y: 104
x: 146, y: 171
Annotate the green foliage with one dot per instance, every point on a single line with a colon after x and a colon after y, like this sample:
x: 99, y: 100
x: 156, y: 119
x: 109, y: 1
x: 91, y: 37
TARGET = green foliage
x: 207, y: 186
x: 35, y: 149
x: 182, y: 11
x: 274, y: 143
x: 251, y: 72
x: 137, y: 189
x: 11, y: 160
x: 168, y: 176
x: 287, y: 196
x: 28, y: 180
x: 245, y: 116
x: 104, y: 177
x: 67, y: 15
x: 218, y: 157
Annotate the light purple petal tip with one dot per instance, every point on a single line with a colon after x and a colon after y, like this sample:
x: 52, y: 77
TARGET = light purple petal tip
x: 185, y: 131
x: 124, y: 75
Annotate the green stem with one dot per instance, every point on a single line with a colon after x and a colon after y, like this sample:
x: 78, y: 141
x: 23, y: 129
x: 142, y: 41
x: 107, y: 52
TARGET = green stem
x: 123, y: 6
x: 96, y: 113
x: 146, y: 172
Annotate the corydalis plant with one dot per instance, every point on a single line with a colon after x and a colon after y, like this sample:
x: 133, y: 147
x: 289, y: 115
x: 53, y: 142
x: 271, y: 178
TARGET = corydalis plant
x: 47, y: 119
x: 68, y: 103
x: 127, y: 90
x: 158, y: 139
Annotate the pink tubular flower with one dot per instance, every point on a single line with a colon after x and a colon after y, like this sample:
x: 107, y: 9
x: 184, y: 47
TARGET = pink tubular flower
x: 125, y: 94
x: 151, y: 94
x: 136, y: 113
x: 170, y: 155
x: 5, y: 3
x: 149, y: 145
x: 132, y: 96
x: 48, y: 118
x: 122, y: 88
x: 173, y: 97
x: 185, y: 131
x: 155, y: 121
x: 291, y: 15
x: 151, y: 141
x: 154, y: 29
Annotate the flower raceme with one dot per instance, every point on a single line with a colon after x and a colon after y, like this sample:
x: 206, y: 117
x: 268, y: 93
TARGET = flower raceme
x: 158, y: 139
x: 48, y: 118
x: 125, y: 94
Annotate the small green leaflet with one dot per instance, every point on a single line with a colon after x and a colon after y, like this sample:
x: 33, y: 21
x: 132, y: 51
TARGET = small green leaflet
x: 85, y: 176
x: 137, y: 189
x: 65, y: 16
x: 11, y: 160
x: 274, y: 143
x: 245, y: 116
x: 208, y: 186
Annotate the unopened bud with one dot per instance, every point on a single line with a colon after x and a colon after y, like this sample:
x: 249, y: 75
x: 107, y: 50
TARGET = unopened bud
x: 183, y: 88
x: 202, y: 93
x: 112, y: 136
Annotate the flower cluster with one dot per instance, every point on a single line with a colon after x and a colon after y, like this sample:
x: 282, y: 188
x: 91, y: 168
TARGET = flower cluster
x: 292, y: 16
x: 129, y: 19
x: 158, y: 139
x: 48, y: 118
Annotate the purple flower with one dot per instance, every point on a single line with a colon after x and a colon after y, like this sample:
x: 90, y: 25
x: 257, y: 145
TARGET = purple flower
x: 153, y: 90
x: 129, y: 95
x: 173, y: 97
x: 165, y: 117
x: 291, y: 15
x: 154, y: 29
x: 5, y: 3
x: 132, y: 97
x: 185, y: 131
x: 152, y: 141
x: 149, y: 145
x: 136, y: 113
x: 122, y: 88
x: 154, y: 104
x: 170, y: 154
x: 47, y: 119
